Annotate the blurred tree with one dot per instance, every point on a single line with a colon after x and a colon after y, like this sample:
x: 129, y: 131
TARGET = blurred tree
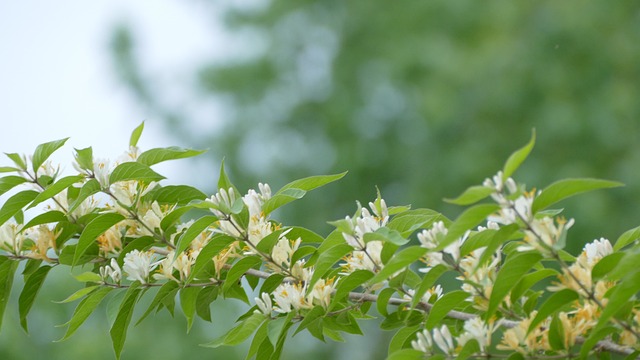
x: 421, y: 99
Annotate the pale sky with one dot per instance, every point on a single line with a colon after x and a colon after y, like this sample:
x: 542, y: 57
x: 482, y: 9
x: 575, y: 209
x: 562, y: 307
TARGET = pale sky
x: 57, y: 79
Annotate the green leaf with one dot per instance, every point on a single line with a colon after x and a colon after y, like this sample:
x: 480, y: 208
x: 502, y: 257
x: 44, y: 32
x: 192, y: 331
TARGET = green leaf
x: 84, y: 158
x: 408, y: 354
x: 203, y: 303
x: 383, y: 301
x: 9, y: 182
x: 316, y: 313
x: 427, y: 282
x: 412, y: 220
x: 239, y: 269
x: 5, y: 169
x: 239, y: 333
x: 88, y: 277
x: 43, y: 151
x: 606, y: 264
x: 518, y: 157
x: 282, y: 198
x: 402, y: 337
x: 173, y: 217
x: 470, y: 348
x: 46, y: 218
x: 84, y: 309
x: 442, y: 306
x: 593, y: 339
x: 194, y: 230
x: 627, y: 238
x: 224, y: 182
x: 95, y: 228
x: 529, y: 280
x: 188, y: 298
x: 403, y: 258
x: 8, y: 269
x: 327, y: 259
x: 466, y: 221
x: 297, y: 189
x: 267, y: 243
x: 554, y: 303
x: 89, y: 188
x: 258, y: 339
x: 32, y: 286
x: 385, y: 234
x: 348, y: 283
x: 18, y: 160
x: 556, y: 334
x: 56, y: 188
x: 167, y: 290
x: 626, y: 288
x: 307, y: 236
x: 135, y: 135
x: 78, y: 294
x: 14, y: 204
x: 177, y: 194
x: 566, y: 188
x: 133, y: 171
x: 516, y: 266
x: 120, y: 325
x: 471, y: 195
x: 213, y: 248
x: 158, y: 155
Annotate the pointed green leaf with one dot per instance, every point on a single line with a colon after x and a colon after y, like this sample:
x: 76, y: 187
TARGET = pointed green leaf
x: 566, y: 188
x: 55, y: 188
x: 167, y: 290
x: 409, y: 354
x: 327, y: 259
x: 403, y: 337
x: 400, y: 260
x: 213, y: 248
x: 348, y: 283
x: 133, y: 171
x: 552, y: 305
x: 282, y: 198
x: 121, y: 324
x: 32, y: 286
x: 606, y: 264
x: 8, y: 269
x: 18, y: 160
x: 239, y: 333
x: 173, y: 217
x: 78, y: 294
x: 627, y: 238
x: 194, y: 230
x: 515, y: 160
x: 88, y: 276
x: 224, y: 182
x: 386, y: 235
x: 471, y: 195
x: 176, y: 194
x: 46, y: 218
x: 470, y: 348
x: 516, y: 266
x: 84, y: 158
x: 84, y: 309
x: 43, y: 151
x: 593, y: 339
x: 158, y: 155
x: 135, y: 135
x: 94, y: 229
x: 14, y: 204
x: 188, y: 297
x: 312, y: 182
x: 239, y: 269
x: 203, y: 303
x: 89, y: 188
x: 427, y: 282
x: 9, y: 182
x: 315, y: 313
x: 443, y: 305
x: 529, y: 280
x: 466, y: 221
x: 626, y: 288
x: 412, y: 220
x: 5, y: 169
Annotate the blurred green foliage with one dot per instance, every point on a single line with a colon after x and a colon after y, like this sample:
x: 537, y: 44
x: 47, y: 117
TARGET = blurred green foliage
x: 421, y: 99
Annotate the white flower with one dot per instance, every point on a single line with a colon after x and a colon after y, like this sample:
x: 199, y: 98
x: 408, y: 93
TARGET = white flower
x: 283, y: 251
x: 432, y: 238
x: 442, y: 338
x: 322, y: 291
x: 424, y: 342
x: 112, y: 271
x: 265, y: 306
x: 101, y: 172
x: 426, y: 297
x: 476, y: 329
x: 547, y: 231
x: 11, y: 238
x: 594, y: 251
x: 224, y: 200
x: 153, y: 217
x: 137, y: 265
x: 290, y: 297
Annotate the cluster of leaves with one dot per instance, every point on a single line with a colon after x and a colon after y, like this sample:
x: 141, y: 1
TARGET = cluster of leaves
x: 520, y: 294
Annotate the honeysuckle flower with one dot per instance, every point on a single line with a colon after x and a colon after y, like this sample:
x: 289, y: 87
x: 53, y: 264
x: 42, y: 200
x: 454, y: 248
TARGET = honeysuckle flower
x: 130, y: 155
x: 442, y: 338
x: 517, y: 338
x: 265, y: 306
x: 477, y: 329
x: 11, y: 237
x: 224, y: 200
x: 43, y: 239
x: 87, y: 206
x: 111, y: 240
x: 291, y: 297
x: 101, y: 171
x: 432, y: 238
x: 322, y: 291
x: 427, y: 296
x: 137, y: 265
x: 255, y: 200
x: 48, y: 169
x: 547, y: 231
x: 365, y: 223
x: 112, y: 271
x: 593, y: 252
x: 498, y: 185
x: 153, y: 216
x: 479, y: 280
x: 423, y: 342
x: 366, y: 259
x: 514, y: 211
x: 283, y: 251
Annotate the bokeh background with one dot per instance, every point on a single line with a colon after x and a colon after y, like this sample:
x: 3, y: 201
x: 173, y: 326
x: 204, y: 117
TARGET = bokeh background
x: 420, y: 99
